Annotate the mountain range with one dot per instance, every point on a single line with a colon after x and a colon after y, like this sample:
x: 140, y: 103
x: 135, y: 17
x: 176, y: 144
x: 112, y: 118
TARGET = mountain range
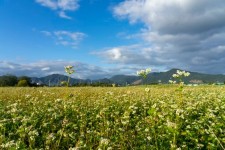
x: 152, y: 78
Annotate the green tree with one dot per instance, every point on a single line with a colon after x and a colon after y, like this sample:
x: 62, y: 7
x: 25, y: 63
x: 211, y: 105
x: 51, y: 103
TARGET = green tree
x: 23, y: 83
x: 8, y: 80
x: 28, y: 79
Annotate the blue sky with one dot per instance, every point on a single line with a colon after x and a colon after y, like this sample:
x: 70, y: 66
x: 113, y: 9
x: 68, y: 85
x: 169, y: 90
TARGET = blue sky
x: 102, y: 38
x: 25, y: 20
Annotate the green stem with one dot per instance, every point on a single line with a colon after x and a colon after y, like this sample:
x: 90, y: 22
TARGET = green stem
x: 58, y: 142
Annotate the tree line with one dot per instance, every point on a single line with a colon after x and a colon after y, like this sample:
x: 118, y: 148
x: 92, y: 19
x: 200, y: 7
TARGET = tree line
x: 11, y: 80
x: 24, y: 81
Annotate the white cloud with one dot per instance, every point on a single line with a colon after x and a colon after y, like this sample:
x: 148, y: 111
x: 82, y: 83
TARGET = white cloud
x: 61, y: 6
x: 63, y: 15
x: 114, y: 53
x: 48, y: 3
x: 174, y: 16
x: 44, y: 68
x: 177, y: 33
x: 132, y: 55
x: 66, y: 38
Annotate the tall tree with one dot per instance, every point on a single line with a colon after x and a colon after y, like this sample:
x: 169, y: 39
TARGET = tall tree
x: 8, y: 80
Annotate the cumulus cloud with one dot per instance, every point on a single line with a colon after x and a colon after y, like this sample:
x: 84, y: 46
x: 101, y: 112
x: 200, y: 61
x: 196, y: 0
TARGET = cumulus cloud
x: 133, y: 55
x: 177, y: 33
x: 174, y: 16
x: 44, y: 68
x: 66, y: 38
x: 61, y: 6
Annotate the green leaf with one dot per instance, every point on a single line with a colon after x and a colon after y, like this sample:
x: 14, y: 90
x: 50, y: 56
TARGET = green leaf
x: 151, y: 111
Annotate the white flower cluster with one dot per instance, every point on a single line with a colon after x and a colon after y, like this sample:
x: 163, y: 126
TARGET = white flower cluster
x: 181, y: 74
x: 144, y: 73
x: 104, y: 141
x: 69, y: 69
x: 172, y: 82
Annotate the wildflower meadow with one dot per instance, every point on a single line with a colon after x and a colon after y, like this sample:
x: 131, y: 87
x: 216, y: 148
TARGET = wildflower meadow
x: 149, y: 117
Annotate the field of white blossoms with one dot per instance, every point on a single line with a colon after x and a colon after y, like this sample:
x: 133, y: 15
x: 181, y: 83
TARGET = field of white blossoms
x: 153, y: 117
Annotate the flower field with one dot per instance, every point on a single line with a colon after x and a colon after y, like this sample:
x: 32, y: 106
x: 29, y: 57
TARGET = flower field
x: 156, y: 117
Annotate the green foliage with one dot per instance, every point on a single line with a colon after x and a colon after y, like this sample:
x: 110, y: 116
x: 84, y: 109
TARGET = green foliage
x: 23, y: 83
x: 112, y: 118
x: 28, y: 79
x: 8, y: 80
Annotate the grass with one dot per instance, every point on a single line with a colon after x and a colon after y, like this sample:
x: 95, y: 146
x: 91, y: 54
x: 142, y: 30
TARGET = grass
x: 112, y: 118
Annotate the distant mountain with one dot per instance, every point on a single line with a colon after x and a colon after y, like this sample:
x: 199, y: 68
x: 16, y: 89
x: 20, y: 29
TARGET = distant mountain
x: 205, y: 78
x: 155, y: 77
x: 56, y: 79
x: 124, y: 79
x: 194, y: 77
x: 105, y: 80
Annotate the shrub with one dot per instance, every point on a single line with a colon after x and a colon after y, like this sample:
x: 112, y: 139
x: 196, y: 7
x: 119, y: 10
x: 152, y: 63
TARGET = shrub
x: 23, y: 83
